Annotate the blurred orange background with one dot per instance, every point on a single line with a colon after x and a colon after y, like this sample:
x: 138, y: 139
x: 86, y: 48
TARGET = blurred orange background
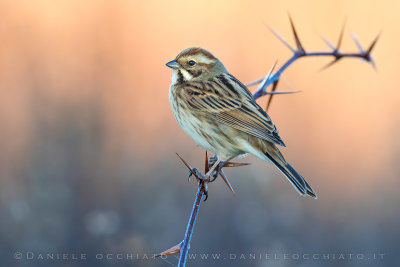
x: 87, y: 130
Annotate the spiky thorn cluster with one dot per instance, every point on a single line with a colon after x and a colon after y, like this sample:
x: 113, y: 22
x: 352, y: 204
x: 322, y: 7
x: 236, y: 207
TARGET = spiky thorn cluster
x: 300, y: 52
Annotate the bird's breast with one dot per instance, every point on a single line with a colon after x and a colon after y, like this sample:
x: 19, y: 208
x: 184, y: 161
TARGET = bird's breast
x: 203, y: 127
x: 194, y: 123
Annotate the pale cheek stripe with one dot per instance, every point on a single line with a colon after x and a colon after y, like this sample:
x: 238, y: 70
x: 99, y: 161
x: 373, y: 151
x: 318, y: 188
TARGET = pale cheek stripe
x: 186, y: 75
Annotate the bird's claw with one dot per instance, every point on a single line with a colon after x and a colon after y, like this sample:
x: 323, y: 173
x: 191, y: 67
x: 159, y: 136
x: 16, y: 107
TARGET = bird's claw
x: 201, y: 177
x: 205, y: 191
x: 214, y: 175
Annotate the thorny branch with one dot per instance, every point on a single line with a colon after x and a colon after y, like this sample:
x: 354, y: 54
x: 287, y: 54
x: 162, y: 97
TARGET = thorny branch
x: 189, y: 230
x: 271, y: 78
x: 299, y: 52
x: 183, y: 247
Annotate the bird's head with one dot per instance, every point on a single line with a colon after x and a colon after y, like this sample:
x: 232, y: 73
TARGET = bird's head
x: 195, y: 63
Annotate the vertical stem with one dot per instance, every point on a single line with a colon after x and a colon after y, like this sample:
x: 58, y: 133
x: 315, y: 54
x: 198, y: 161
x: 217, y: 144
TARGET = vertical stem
x: 189, y: 230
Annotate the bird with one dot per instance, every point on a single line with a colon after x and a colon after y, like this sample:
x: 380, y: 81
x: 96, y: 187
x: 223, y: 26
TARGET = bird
x: 220, y: 114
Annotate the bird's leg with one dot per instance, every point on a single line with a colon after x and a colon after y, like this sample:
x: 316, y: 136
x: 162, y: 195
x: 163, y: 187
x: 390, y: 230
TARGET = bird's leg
x: 212, y: 160
x: 212, y: 169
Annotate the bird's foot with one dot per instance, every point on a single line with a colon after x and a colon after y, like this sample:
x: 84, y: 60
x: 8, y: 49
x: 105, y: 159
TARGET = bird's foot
x: 214, y: 169
x: 217, y: 171
x: 208, y: 177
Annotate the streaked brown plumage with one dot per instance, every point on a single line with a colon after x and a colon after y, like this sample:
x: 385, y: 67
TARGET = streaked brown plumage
x: 219, y: 113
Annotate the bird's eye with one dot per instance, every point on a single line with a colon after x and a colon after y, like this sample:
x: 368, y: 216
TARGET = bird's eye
x: 192, y: 63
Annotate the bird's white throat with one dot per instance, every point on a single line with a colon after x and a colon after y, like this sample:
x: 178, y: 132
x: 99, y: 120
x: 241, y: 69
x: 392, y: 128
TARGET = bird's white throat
x: 175, y: 76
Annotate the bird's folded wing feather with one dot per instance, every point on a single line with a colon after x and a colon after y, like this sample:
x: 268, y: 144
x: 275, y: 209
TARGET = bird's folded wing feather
x: 233, y: 106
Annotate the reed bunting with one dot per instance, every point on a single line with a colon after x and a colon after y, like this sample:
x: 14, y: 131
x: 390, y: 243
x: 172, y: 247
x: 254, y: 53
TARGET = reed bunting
x: 220, y: 114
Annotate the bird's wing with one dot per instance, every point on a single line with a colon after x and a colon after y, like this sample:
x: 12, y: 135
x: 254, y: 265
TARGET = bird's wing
x: 232, y: 104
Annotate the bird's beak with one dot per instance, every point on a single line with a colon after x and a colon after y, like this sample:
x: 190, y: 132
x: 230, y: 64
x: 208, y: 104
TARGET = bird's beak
x: 173, y: 64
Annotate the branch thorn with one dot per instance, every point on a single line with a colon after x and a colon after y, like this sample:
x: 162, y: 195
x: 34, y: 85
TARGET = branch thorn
x: 368, y: 56
x: 173, y: 250
x: 274, y: 85
x: 355, y: 39
x: 331, y: 46
x: 330, y: 63
x: 340, y: 36
x: 226, y: 180
x: 255, y: 82
x: 264, y: 83
x: 281, y: 39
x: 235, y: 164
x: 206, y: 167
x: 300, y: 47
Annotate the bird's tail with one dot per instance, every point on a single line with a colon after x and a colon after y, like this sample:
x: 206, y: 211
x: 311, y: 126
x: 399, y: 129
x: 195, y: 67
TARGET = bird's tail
x: 301, y: 185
